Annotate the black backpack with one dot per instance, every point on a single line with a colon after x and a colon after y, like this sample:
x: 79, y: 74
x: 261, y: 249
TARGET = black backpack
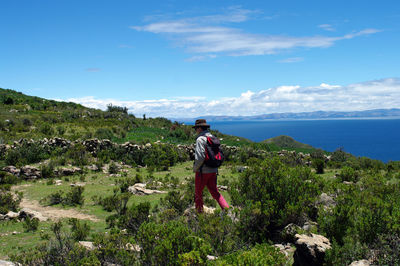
x: 214, y: 154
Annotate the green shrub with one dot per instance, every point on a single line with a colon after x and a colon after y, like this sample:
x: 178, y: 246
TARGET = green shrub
x: 348, y: 174
x: 271, y: 196
x: 260, y: 254
x: 175, y: 200
x: 74, y: 196
x: 113, y: 168
x: 7, y: 178
x: 8, y: 200
x: 31, y: 224
x: 80, y: 230
x: 134, y: 216
x: 46, y: 129
x: 61, y: 130
x: 386, y: 249
x: 47, y: 170
x: 71, y: 198
x: 26, y: 153
x: 104, y: 133
x: 167, y: 243
x: 219, y: 230
x: 318, y: 165
x: 351, y: 250
x: 78, y: 155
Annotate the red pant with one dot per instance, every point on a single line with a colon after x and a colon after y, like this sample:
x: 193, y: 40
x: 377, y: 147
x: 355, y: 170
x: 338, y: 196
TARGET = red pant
x: 209, y: 180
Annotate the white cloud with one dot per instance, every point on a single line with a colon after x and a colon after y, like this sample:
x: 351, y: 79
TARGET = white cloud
x: 383, y: 93
x: 93, y: 69
x: 205, y: 35
x: 197, y: 58
x: 291, y: 60
x: 327, y: 27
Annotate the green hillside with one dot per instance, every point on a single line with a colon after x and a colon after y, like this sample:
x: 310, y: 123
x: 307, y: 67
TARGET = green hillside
x: 23, y: 116
x: 286, y: 142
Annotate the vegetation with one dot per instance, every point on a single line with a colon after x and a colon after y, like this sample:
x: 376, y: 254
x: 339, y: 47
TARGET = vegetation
x: 268, y: 189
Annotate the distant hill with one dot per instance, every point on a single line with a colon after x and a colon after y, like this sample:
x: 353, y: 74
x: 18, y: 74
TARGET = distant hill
x: 286, y: 142
x: 376, y: 113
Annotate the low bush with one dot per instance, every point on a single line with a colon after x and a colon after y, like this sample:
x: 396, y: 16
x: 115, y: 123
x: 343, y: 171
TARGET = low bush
x: 271, y: 196
x: 71, y: 198
x: 170, y: 243
x: 260, y: 254
x: 80, y: 230
x: 31, y: 224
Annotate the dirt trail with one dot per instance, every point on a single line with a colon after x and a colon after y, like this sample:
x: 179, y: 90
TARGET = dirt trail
x: 51, y: 212
x: 54, y: 213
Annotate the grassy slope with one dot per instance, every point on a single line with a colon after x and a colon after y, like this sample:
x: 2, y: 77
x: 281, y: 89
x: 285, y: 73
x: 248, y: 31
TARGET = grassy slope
x: 97, y: 183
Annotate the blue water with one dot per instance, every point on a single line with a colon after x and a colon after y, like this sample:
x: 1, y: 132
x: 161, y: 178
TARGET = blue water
x: 373, y: 138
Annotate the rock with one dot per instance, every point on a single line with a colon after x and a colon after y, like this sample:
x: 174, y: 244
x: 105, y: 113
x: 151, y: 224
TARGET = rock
x: 224, y: 188
x: 12, y: 170
x: 310, y: 249
x: 65, y: 171
x: 87, y: 244
x: 289, y: 232
x: 58, y: 182
x: 6, y: 263
x: 285, y: 249
x: 209, y: 257
x: 241, y: 169
x: 309, y: 225
x: 15, y: 233
x: 12, y: 215
x: 30, y: 172
x: 26, y: 212
x: 92, y: 167
x: 77, y: 184
x: 348, y: 183
x: 140, y: 189
x: 132, y: 247
x: 326, y: 201
x: 191, y: 211
x: 360, y: 263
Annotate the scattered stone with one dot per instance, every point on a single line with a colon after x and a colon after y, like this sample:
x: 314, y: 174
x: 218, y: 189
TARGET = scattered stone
x: 224, y: 188
x: 309, y: 225
x: 289, y: 232
x: 87, y: 244
x: 132, y: 247
x: 15, y: 233
x: 30, y: 172
x: 286, y: 249
x: 140, y: 189
x: 26, y: 212
x: 65, y: 171
x: 326, y: 201
x: 12, y: 170
x: 310, y: 249
x: 6, y: 263
x: 360, y: 263
x: 77, y: 184
x: 12, y: 215
x: 58, y: 182
x: 92, y: 167
x: 241, y: 169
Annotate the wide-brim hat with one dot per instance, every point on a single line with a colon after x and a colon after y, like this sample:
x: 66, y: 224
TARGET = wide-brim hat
x: 201, y: 123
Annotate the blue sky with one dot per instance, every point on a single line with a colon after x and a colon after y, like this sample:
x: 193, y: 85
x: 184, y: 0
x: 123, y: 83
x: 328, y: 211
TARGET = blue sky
x: 192, y: 58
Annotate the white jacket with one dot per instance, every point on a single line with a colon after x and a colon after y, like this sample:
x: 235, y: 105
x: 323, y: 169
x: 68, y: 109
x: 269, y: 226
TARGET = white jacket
x: 200, y: 154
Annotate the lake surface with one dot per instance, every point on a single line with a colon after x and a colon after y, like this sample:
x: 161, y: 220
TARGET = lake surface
x: 373, y: 138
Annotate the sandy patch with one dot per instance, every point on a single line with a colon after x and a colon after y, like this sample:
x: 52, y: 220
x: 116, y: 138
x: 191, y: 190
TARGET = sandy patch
x: 55, y: 213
